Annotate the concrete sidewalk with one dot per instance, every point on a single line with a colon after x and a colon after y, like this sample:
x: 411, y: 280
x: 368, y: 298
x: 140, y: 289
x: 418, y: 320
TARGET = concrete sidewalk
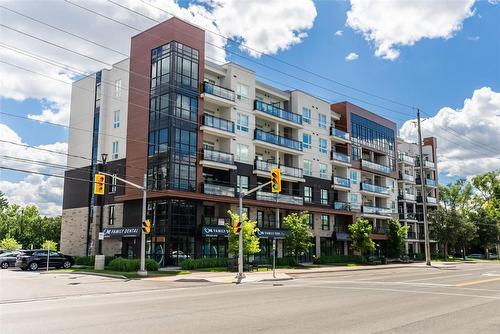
x: 223, y: 277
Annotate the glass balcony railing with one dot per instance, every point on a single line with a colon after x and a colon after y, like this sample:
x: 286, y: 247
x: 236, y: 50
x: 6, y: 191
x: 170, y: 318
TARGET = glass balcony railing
x: 217, y: 189
x: 407, y: 196
x: 407, y: 177
x: 407, y: 159
x: 282, y: 198
x: 218, y: 91
x: 277, y: 140
x: 431, y: 200
x: 374, y: 188
x: 341, y: 181
x: 379, y: 230
x: 369, y: 165
x: 341, y: 206
x: 217, y: 156
x: 277, y: 112
x: 430, y: 182
x: 408, y: 216
x: 285, y: 170
x: 218, y: 123
x: 340, y: 157
x: 377, y: 210
x: 339, y: 133
x: 427, y: 164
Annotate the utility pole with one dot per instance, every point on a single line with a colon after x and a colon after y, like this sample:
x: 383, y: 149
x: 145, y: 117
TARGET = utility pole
x: 102, y: 201
x: 424, y: 193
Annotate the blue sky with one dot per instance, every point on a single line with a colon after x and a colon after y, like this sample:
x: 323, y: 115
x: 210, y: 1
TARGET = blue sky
x: 431, y: 73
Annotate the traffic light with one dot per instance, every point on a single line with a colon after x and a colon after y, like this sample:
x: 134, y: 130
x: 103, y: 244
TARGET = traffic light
x: 236, y: 226
x: 146, y: 226
x: 276, y: 180
x: 99, y: 180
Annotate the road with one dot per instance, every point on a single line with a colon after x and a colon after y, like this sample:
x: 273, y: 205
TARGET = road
x: 462, y: 299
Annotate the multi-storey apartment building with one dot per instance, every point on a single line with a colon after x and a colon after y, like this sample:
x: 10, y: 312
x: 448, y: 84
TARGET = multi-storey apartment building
x: 198, y: 131
x: 410, y: 197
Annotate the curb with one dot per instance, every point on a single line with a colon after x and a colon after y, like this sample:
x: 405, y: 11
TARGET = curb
x: 86, y: 273
x: 276, y: 279
x: 346, y: 270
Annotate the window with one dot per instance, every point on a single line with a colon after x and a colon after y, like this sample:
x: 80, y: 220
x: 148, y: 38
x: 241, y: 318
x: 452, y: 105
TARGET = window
x: 354, y: 198
x: 308, y: 194
x: 242, y: 92
x: 242, y: 122
x: 115, y: 150
x: 354, y: 177
x: 307, y: 167
x: 260, y: 218
x: 325, y: 222
x: 118, y: 88
x: 185, y: 107
x: 322, y: 121
x: 243, y: 180
x: 306, y: 115
x: 310, y: 220
x: 306, y: 140
x: 111, y: 215
x: 241, y: 153
x: 323, y: 171
x: 324, y: 196
x: 323, y: 146
x: 112, y: 188
x: 116, y: 119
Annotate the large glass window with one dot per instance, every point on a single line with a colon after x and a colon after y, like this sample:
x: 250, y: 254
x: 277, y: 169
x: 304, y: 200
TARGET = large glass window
x: 116, y: 119
x: 354, y: 177
x: 118, y: 87
x: 242, y: 122
x: 243, y: 180
x: 242, y: 92
x: 324, y: 196
x: 307, y: 167
x: 325, y: 222
x: 306, y: 140
x: 186, y: 107
x: 323, y: 146
x: 241, y: 152
x: 308, y: 194
x: 323, y: 171
x: 111, y: 215
x: 322, y: 121
x: 115, y: 150
x: 306, y: 115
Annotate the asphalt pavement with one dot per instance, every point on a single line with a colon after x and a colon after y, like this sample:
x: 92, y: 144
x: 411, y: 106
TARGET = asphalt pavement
x: 463, y: 298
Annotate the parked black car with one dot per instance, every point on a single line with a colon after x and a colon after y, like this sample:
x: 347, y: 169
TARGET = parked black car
x: 34, y: 259
x: 8, y: 259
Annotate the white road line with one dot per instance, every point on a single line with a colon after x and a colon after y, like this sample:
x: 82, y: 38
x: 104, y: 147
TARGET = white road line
x: 431, y: 278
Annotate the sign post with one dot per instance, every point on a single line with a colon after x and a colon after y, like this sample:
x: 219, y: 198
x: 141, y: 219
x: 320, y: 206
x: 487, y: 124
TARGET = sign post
x: 274, y: 258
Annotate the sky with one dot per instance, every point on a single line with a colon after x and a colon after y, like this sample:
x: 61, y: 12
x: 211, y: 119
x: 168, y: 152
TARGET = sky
x: 389, y: 57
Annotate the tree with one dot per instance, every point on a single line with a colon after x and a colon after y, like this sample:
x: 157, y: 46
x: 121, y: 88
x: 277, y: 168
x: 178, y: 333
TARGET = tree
x: 360, y: 235
x: 9, y: 244
x: 298, y: 238
x: 49, y: 244
x: 250, y: 239
x: 396, y: 238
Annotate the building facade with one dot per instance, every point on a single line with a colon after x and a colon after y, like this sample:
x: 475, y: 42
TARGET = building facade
x: 197, y: 132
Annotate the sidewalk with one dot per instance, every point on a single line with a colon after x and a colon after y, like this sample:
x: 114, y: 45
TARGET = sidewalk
x: 224, y: 277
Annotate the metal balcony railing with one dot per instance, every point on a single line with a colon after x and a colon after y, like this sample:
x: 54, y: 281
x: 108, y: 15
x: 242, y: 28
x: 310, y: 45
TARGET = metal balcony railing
x: 376, y: 210
x: 340, y: 157
x: 217, y: 189
x: 341, y: 181
x: 379, y: 230
x: 282, y: 198
x: 218, y: 91
x: 218, y: 123
x: 277, y: 140
x: 369, y: 165
x: 285, y: 170
x: 218, y: 156
x: 374, y: 188
x: 339, y: 133
x: 277, y: 112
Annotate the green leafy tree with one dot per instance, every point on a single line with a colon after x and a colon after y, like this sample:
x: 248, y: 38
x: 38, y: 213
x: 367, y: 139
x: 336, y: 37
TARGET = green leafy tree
x: 298, y: 238
x: 250, y: 239
x: 444, y: 227
x: 360, y: 235
x: 396, y: 235
x: 49, y: 244
x: 9, y: 244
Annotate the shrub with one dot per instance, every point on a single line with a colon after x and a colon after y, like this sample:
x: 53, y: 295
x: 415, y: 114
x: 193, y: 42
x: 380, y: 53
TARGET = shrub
x: 189, y: 264
x: 89, y: 260
x: 340, y: 259
x: 289, y: 261
x: 127, y: 265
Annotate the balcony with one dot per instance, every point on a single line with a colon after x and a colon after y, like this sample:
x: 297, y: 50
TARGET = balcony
x: 407, y: 177
x: 218, y: 126
x: 273, y: 140
x: 344, y: 206
x: 430, y: 200
x: 375, y: 167
x: 339, y: 135
x: 375, y: 210
x: 281, y: 198
x: 341, y: 159
x: 217, y: 159
x: 427, y: 164
x: 274, y: 112
x: 407, y: 197
x: 218, y: 95
x: 430, y: 182
x: 408, y: 216
x: 406, y: 159
x: 341, y: 182
x: 365, y: 186
x: 217, y: 189
x: 265, y: 167
x: 379, y: 230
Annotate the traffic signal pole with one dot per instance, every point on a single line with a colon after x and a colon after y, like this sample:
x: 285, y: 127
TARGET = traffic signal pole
x: 424, y: 194
x: 142, y: 270
x: 242, y: 194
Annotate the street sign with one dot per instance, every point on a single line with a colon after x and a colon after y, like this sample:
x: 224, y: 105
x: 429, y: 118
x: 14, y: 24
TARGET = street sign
x: 101, y: 235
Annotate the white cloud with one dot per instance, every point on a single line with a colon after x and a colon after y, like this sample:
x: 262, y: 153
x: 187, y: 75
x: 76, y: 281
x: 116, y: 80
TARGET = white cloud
x: 478, y: 120
x: 264, y: 25
x: 338, y: 33
x: 43, y: 191
x: 392, y: 23
x: 351, y: 56
x: 473, y: 38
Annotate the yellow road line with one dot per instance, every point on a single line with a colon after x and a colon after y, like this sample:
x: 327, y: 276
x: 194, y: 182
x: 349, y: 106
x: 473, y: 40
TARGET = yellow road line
x: 479, y: 282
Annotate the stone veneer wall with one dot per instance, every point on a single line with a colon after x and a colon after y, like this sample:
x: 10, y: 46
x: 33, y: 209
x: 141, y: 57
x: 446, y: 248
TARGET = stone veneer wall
x: 74, y: 231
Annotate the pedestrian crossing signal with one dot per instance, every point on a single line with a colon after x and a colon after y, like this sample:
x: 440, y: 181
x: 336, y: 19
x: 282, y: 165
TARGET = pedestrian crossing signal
x: 146, y: 226
x: 275, y: 180
x: 99, y: 184
x: 236, y: 226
